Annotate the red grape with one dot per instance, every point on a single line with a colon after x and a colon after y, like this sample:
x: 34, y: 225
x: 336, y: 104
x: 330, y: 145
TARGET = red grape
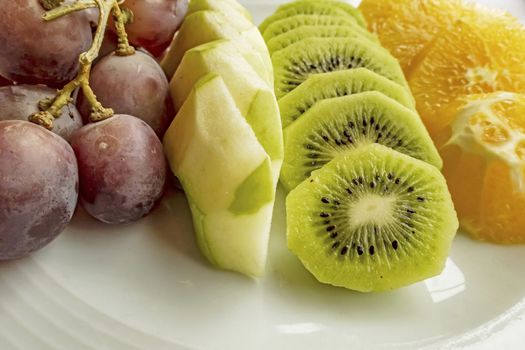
x: 38, y: 187
x: 134, y: 85
x: 109, y: 44
x: 18, y: 102
x: 4, y: 81
x: 155, y: 22
x: 122, y: 168
x: 34, y: 51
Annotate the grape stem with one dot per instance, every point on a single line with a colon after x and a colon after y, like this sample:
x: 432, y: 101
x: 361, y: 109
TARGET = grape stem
x: 62, y: 10
x: 120, y: 19
x: 51, y: 109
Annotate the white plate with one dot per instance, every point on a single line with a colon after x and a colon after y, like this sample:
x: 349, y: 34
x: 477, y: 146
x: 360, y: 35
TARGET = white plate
x: 146, y: 286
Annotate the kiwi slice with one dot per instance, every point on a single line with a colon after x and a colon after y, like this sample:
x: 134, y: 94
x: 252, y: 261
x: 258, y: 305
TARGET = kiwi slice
x: 303, y: 8
x: 294, y: 64
x: 287, y: 24
x: 291, y: 37
x: 336, y: 84
x: 349, y: 9
x: 372, y: 220
x: 337, y: 125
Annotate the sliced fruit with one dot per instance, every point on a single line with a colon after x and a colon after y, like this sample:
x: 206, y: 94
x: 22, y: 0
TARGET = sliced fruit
x: 290, y: 23
x: 466, y: 61
x: 297, y: 62
x: 235, y: 242
x: 337, y: 125
x: 323, y: 86
x: 284, y: 40
x: 406, y: 27
x: 218, y: 160
x: 218, y: 5
x: 317, y: 8
x: 372, y: 220
x: 254, y: 99
x: 487, y: 137
x: 458, y: 58
x: 206, y: 26
x: 349, y: 9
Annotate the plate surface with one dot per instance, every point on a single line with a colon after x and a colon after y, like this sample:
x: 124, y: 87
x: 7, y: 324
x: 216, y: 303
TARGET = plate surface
x: 146, y: 286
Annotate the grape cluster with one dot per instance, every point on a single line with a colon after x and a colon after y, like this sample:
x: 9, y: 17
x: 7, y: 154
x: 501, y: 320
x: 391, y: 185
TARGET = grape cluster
x: 107, y: 155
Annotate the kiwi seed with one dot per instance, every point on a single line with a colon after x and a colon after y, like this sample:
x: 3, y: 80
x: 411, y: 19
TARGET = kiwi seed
x: 380, y: 234
x: 293, y: 65
x: 341, y: 124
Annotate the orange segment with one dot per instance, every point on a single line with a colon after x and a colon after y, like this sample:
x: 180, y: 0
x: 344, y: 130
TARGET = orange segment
x: 501, y: 216
x: 484, y: 163
x: 520, y: 150
x: 405, y: 27
x: 465, y: 190
x: 472, y: 59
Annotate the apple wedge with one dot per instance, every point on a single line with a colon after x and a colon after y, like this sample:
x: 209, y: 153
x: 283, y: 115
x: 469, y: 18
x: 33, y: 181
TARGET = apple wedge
x: 254, y: 99
x: 202, y: 27
x: 218, y: 5
x: 227, y: 177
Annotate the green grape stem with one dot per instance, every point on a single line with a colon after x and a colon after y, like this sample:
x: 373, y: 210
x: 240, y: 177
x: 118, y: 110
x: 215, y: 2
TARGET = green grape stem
x: 52, y: 109
x: 50, y: 4
x: 55, y: 11
x: 120, y: 19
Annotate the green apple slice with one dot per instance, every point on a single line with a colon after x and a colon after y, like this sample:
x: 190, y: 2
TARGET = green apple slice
x: 219, y: 5
x: 205, y: 26
x: 255, y: 100
x: 227, y: 177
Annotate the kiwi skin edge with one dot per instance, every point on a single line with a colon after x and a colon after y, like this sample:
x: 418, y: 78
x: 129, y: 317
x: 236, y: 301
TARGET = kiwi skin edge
x: 319, y: 87
x: 293, y: 65
x: 316, y: 8
x: 399, y: 258
x: 287, y: 24
x: 342, y: 124
x: 284, y: 40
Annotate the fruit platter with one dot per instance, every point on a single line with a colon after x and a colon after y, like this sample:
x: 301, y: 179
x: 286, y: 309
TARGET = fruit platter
x: 295, y: 174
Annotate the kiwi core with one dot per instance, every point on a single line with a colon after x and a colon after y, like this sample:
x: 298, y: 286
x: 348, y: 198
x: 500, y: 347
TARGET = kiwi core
x: 373, y: 209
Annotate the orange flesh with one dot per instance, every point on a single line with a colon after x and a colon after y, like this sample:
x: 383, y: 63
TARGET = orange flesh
x: 486, y: 170
x: 458, y: 58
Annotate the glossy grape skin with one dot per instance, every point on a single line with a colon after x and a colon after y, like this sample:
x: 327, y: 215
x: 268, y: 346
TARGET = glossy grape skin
x: 4, y: 81
x: 122, y: 168
x: 155, y: 22
x: 38, y: 187
x: 18, y: 102
x: 34, y: 51
x: 134, y: 85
